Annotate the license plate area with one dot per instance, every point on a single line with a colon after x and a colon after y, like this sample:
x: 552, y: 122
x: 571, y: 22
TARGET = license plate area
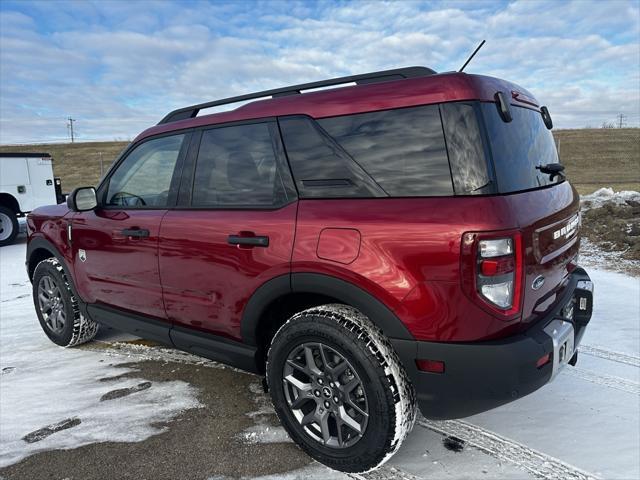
x: 562, y: 335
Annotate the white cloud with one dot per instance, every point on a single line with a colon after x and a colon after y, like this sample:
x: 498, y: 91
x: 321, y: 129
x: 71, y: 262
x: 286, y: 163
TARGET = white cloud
x: 118, y: 67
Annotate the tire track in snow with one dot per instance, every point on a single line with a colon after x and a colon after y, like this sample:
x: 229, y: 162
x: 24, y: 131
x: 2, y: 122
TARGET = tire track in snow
x: 384, y: 473
x: 605, y: 380
x: 537, y: 463
x: 619, y: 357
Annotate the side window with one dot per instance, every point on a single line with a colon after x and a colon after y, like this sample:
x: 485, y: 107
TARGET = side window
x: 237, y: 167
x: 143, y: 179
x: 403, y: 150
x: 322, y: 169
x: 466, y: 155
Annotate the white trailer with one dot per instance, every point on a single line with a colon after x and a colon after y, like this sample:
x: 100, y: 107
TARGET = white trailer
x: 26, y: 182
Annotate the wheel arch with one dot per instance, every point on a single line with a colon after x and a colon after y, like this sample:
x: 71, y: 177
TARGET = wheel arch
x: 40, y: 249
x: 9, y: 201
x: 279, y: 298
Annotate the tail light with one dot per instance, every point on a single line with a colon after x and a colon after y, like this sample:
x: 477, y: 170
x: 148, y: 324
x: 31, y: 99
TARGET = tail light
x: 492, y: 269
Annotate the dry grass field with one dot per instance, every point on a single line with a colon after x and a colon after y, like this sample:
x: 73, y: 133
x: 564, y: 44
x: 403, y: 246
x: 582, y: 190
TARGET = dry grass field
x: 77, y: 164
x: 603, y: 157
x: 593, y: 158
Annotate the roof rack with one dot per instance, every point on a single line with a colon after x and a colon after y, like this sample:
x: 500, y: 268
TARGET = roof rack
x: 373, y: 77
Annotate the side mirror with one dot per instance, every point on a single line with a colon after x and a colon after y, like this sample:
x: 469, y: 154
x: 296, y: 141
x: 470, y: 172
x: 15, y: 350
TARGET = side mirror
x: 82, y: 199
x: 546, y: 117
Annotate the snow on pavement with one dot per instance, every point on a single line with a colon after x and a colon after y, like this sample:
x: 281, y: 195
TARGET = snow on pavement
x: 581, y: 417
x: 583, y: 425
x: 42, y: 384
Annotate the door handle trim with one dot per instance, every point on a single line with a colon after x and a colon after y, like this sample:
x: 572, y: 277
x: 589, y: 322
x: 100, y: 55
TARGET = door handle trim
x: 258, y: 241
x: 135, y: 232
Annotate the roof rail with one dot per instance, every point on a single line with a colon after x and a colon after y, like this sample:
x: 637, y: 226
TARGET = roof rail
x: 373, y: 77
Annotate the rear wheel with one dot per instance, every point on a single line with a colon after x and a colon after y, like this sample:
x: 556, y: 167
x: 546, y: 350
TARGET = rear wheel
x: 339, y: 389
x: 57, y: 306
x: 9, y: 227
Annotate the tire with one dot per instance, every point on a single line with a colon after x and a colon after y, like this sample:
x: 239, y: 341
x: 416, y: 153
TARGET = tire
x: 57, y: 307
x: 352, y: 365
x: 9, y: 227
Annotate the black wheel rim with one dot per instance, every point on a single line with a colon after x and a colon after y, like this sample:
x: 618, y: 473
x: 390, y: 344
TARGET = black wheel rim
x: 325, y: 395
x: 51, y: 304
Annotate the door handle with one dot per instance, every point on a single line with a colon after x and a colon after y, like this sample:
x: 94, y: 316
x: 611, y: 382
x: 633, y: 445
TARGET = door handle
x: 135, y: 232
x: 255, y: 241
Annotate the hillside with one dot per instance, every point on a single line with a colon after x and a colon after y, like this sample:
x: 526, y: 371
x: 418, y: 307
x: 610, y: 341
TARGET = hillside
x: 603, y: 157
x: 77, y: 164
x: 593, y: 158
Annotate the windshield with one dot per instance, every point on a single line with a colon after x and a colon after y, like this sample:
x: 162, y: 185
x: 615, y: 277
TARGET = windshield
x: 518, y: 147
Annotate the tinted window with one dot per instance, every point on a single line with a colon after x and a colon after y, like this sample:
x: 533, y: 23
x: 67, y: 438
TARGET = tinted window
x: 466, y: 154
x: 320, y: 167
x: 144, y: 176
x: 237, y: 166
x: 518, y: 147
x: 403, y: 150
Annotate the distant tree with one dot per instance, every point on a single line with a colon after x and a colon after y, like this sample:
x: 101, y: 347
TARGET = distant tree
x: 608, y: 125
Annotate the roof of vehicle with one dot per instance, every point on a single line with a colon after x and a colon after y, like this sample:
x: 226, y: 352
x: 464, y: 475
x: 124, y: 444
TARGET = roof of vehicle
x: 24, y: 154
x: 407, y: 92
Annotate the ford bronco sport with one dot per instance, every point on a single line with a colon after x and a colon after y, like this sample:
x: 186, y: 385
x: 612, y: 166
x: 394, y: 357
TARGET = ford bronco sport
x: 406, y: 239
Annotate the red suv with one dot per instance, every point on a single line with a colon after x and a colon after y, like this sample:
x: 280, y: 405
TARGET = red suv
x: 405, y: 239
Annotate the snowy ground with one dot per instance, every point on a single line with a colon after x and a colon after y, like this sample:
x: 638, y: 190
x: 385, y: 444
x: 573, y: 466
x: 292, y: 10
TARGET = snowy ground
x: 586, y: 424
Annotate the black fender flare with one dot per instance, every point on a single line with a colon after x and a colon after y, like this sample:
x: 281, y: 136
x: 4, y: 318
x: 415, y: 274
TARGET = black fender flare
x: 40, y: 243
x: 321, y: 284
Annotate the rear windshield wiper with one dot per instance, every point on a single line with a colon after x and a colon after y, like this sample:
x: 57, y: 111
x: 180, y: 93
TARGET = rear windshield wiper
x: 552, y: 169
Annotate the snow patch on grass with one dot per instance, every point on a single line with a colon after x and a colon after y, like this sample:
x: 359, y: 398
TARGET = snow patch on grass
x: 608, y: 195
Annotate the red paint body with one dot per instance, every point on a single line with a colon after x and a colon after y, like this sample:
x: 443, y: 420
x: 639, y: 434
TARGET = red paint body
x: 404, y: 252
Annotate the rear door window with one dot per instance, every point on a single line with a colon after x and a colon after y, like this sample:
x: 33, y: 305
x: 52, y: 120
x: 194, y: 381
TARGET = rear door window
x: 518, y: 147
x: 237, y: 166
x: 403, y: 150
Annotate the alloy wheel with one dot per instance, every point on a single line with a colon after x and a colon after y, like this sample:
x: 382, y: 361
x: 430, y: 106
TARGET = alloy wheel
x: 325, y: 395
x: 51, y: 304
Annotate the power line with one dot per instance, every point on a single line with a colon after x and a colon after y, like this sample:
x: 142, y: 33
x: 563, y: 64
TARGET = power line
x: 621, y: 120
x: 70, y: 127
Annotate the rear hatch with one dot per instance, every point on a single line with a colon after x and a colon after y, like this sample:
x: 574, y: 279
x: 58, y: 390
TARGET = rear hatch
x: 546, y: 206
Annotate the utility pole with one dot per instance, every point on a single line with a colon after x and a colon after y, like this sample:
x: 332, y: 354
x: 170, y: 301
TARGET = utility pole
x: 621, y: 121
x: 70, y: 127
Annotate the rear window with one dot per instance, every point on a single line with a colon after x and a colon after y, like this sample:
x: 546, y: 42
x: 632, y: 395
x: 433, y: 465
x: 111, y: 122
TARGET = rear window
x: 321, y: 168
x: 403, y: 150
x: 466, y: 153
x: 518, y: 147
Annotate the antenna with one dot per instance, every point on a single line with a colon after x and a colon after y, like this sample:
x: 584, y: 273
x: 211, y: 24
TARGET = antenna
x: 472, y: 55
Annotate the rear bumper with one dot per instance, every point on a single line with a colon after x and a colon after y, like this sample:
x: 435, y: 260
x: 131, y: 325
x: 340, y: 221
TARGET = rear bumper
x: 480, y: 376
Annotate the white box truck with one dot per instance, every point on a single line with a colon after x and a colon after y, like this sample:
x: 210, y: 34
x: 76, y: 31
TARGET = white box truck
x: 26, y: 182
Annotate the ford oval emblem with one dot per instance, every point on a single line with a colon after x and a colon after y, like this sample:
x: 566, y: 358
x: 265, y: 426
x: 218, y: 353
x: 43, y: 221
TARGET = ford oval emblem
x: 537, y: 282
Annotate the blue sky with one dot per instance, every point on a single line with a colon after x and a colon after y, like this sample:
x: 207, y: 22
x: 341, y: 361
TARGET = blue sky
x: 119, y: 66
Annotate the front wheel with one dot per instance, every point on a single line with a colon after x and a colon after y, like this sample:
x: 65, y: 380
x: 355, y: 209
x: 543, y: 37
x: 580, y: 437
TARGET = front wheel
x: 339, y: 388
x: 57, y: 307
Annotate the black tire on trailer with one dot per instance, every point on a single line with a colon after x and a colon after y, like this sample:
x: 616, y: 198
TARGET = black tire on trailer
x: 339, y: 388
x: 9, y: 227
x: 57, y: 307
